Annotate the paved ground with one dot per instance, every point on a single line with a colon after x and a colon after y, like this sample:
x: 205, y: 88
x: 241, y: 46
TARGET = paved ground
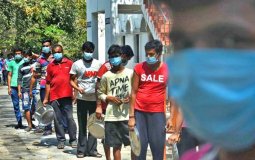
x: 18, y: 144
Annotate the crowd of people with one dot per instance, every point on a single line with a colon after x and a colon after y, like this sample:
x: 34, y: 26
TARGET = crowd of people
x: 107, y: 89
x: 210, y: 79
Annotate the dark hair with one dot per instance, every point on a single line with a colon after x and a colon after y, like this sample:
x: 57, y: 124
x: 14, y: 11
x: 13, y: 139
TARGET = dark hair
x: 17, y: 49
x: 55, y: 46
x: 88, y: 46
x: 154, y: 44
x: 127, y: 50
x: 46, y: 40
x: 114, y: 49
x: 28, y: 52
x: 9, y: 55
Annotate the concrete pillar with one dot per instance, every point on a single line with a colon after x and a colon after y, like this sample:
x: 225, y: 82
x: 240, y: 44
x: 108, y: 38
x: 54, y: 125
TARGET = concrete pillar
x: 108, y: 26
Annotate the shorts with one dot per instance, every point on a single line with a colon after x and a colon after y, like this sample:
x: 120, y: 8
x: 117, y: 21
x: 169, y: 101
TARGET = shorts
x: 116, y: 133
x: 26, y: 102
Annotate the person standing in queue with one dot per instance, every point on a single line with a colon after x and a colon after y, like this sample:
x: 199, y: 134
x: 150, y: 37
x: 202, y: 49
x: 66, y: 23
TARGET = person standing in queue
x: 114, y: 88
x: 127, y: 54
x: 13, y: 68
x: 60, y: 94
x: 83, y: 79
x: 148, y: 115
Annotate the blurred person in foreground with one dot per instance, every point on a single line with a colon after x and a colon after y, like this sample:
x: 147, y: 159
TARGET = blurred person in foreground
x: 212, y: 74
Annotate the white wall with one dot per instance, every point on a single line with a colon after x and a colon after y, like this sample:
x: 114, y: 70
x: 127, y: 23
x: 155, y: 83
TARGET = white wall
x: 116, y: 29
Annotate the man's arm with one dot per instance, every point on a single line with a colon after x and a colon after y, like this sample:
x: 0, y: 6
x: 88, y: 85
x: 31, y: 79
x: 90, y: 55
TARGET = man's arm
x: 47, y: 94
x: 74, y: 84
x: 19, y: 82
x: 135, y: 82
x: 9, y: 82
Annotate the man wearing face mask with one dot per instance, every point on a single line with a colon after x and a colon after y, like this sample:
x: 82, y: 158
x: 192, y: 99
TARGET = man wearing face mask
x: 83, y: 79
x: 148, y: 114
x: 39, y: 73
x: 213, y: 78
x: 59, y: 93
x: 114, y: 88
x: 24, y: 77
x: 126, y: 55
x: 13, y: 68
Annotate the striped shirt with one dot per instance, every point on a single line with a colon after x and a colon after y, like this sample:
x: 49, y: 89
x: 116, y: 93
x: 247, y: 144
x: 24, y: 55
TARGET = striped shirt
x: 24, y: 76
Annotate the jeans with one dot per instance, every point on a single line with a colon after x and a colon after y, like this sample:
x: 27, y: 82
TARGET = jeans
x: 86, y: 145
x: 29, y: 103
x: 5, y: 73
x: 15, y: 102
x: 151, y: 128
x: 63, y: 108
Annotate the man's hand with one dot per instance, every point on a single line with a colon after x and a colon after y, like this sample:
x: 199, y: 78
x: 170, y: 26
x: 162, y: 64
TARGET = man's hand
x: 169, y: 126
x: 173, y: 138
x: 113, y: 99
x: 99, y: 112
x: 131, y: 123
x: 9, y: 91
x: 31, y: 94
x: 20, y: 95
x: 45, y: 101
x: 74, y: 100
x: 81, y: 90
x: 126, y: 100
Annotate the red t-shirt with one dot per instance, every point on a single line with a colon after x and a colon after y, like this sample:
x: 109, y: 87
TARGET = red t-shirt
x: 59, y: 79
x: 151, y: 93
x: 102, y: 70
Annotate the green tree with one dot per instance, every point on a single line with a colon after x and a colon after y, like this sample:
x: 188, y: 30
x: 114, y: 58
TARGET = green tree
x: 26, y: 23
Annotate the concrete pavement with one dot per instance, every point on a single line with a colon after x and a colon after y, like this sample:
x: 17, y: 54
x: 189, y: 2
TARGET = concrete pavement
x: 19, y: 144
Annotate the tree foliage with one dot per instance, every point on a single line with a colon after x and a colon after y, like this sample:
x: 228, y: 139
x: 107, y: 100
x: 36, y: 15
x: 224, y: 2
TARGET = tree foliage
x: 27, y: 22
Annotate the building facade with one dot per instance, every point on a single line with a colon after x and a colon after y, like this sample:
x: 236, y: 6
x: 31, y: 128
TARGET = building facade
x: 123, y: 22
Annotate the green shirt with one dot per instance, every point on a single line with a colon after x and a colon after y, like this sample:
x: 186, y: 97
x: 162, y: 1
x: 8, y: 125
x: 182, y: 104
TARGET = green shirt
x: 13, y: 67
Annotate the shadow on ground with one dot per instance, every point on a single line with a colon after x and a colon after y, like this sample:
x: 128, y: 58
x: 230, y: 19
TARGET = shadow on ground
x: 46, y: 142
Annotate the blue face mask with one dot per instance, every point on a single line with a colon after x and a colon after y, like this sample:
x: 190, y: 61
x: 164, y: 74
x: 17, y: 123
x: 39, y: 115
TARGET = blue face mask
x: 26, y: 60
x: 46, y: 50
x: 216, y: 90
x: 116, y: 61
x: 17, y: 57
x: 151, y: 60
x: 87, y: 56
x: 58, y: 56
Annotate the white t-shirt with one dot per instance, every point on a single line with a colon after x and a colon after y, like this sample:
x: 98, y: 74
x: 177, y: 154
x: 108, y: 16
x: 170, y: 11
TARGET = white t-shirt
x: 87, y: 78
x: 117, y: 85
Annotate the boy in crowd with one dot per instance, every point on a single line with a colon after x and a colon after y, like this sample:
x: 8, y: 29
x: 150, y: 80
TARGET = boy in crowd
x: 115, y: 89
x: 83, y: 79
x: 24, y: 78
x: 127, y: 54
